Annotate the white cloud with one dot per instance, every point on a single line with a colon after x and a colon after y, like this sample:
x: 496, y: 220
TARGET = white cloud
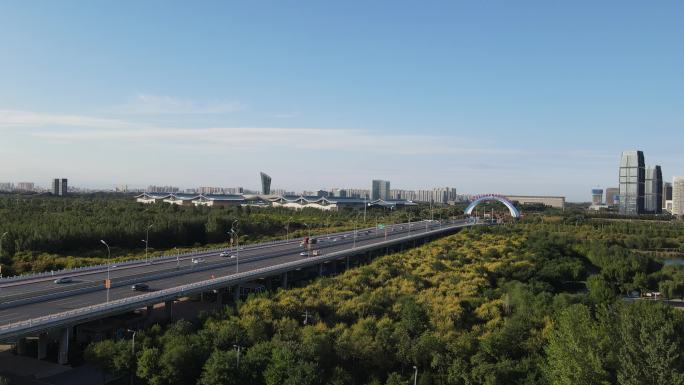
x: 148, y: 104
x: 15, y: 118
x: 261, y: 138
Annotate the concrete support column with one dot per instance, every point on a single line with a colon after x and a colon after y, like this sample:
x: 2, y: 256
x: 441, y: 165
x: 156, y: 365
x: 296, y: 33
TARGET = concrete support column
x: 346, y: 263
x: 269, y: 283
x: 236, y: 293
x: 219, y: 298
x: 148, y: 310
x: 21, y: 346
x: 63, y: 354
x: 42, y: 346
x: 320, y: 269
x: 284, y: 280
x: 168, y: 309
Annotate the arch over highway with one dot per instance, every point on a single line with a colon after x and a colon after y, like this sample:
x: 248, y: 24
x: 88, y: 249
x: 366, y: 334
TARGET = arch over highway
x: 492, y: 197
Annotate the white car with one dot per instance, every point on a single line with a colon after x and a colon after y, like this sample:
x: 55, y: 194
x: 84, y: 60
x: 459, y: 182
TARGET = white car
x: 224, y: 254
x: 304, y: 254
x: 197, y: 260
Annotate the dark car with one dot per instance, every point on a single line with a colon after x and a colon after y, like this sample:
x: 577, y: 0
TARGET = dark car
x: 140, y: 287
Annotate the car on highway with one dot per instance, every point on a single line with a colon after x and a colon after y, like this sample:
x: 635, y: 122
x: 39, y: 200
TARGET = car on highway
x: 304, y: 254
x: 197, y: 260
x: 140, y: 287
x: 224, y: 254
x: 64, y: 280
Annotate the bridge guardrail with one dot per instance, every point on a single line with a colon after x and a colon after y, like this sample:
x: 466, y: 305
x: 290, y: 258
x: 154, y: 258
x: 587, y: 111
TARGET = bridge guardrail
x: 159, y: 296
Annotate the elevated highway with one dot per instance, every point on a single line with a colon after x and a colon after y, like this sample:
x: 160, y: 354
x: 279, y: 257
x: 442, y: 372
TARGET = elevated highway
x: 36, y: 305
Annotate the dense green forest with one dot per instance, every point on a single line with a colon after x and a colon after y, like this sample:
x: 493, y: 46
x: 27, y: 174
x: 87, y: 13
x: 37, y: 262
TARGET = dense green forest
x: 48, y: 233
x: 540, y: 302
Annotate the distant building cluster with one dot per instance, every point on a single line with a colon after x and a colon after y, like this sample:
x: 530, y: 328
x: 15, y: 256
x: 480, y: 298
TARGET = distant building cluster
x: 57, y: 187
x: 258, y: 200
x: 641, y: 189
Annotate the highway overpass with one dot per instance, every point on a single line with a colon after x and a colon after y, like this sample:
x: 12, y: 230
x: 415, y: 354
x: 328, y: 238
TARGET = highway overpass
x: 37, y: 306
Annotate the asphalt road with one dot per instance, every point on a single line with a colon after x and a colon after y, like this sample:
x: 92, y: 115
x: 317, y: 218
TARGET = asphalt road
x: 250, y: 258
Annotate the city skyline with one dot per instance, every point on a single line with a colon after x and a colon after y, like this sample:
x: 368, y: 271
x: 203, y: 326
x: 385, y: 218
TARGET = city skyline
x: 157, y: 104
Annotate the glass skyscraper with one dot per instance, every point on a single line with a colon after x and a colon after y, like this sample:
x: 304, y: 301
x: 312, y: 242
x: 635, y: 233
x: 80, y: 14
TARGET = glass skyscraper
x: 653, y: 190
x: 632, y: 182
x: 265, y: 184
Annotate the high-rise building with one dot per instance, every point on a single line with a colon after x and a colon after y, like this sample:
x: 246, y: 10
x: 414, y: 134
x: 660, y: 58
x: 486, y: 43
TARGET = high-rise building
x: 59, y: 187
x: 612, y: 196
x: 443, y: 194
x: 678, y: 195
x: 6, y: 186
x: 653, y: 190
x: 632, y: 180
x: 596, y: 196
x: 667, y: 193
x: 25, y: 186
x: 265, y: 184
x: 380, y: 190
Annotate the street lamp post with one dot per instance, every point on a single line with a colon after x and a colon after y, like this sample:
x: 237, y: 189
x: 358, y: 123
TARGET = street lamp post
x: 109, y: 255
x: 415, y: 376
x: 409, y: 223
x: 147, y: 241
x: 1, y: 238
x: 356, y: 219
x: 308, y: 228
x: 133, y: 352
x: 237, y: 246
x: 287, y: 228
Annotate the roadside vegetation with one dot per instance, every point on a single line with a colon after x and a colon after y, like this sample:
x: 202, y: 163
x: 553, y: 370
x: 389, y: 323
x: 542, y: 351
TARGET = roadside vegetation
x: 540, y: 302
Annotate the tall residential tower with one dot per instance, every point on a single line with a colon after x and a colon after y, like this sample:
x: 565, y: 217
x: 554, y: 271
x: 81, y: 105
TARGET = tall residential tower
x: 678, y: 195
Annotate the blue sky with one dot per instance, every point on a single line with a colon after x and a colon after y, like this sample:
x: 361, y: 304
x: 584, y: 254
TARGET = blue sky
x: 519, y: 97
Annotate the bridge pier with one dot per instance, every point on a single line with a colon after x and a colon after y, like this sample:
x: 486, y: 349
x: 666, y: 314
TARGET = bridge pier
x: 320, y: 269
x: 21, y: 346
x: 284, y: 280
x: 168, y: 310
x: 148, y: 310
x: 346, y: 263
x: 236, y: 293
x: 63, y: 354
x: 219, y: 298
x: 42, y: 346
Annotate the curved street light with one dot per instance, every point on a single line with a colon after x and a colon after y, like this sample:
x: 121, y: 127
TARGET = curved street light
x: 109, y: 255
x: 1, y: 238
x: 287, y: 228
x: 237, y: 246
x: 147, y: 241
